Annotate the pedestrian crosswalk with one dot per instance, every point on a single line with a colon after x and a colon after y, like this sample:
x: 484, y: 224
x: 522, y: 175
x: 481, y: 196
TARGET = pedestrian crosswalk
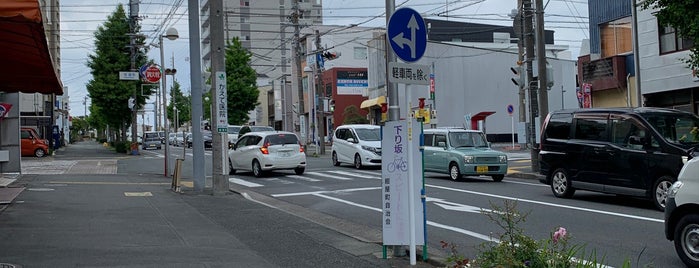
x: 308, y: 177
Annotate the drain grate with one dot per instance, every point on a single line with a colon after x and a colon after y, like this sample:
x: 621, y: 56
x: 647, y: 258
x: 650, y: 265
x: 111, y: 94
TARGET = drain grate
x: 9, y: 265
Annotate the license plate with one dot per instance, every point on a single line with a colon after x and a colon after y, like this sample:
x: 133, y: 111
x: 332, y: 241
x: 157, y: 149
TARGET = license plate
x: 285, y: 154
x: 481, y: 169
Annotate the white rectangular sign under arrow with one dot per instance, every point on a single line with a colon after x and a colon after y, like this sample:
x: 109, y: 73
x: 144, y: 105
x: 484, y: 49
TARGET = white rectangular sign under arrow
x: 404, y: 73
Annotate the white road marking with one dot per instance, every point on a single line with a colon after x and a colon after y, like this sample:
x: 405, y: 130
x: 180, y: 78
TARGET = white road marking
x: 326, y: 192
x: 244, y: 182
x: 303, y: 178
x: 551, y: 205
x: 355, y: 175
x: 526, y: 183
x: 328, y: 176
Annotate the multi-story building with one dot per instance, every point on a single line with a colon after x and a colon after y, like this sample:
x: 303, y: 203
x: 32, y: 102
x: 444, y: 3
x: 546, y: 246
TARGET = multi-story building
x: 43, y: 111
x: 609, y: 71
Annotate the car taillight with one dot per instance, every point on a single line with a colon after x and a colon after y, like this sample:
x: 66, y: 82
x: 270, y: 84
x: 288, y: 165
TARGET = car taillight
x: 301, y: 148
x: 264, y: 149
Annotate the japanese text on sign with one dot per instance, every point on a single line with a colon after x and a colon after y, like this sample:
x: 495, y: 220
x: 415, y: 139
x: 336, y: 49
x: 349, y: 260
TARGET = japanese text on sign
x: 221, y: 107
x: 409, y: 73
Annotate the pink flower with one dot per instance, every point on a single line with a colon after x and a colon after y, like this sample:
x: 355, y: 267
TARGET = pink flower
x: 560, y: 234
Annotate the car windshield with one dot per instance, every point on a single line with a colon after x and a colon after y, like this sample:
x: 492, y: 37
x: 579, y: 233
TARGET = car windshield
x: 260, y: 128
x: 233, y: 129
x: 467, y: 139
x: 278, y: 139
x: 674, y: 127
x: 152, y: 136
x: 368, y: 134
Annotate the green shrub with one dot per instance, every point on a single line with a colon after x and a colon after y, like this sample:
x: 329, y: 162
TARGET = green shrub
x: 121, y: 146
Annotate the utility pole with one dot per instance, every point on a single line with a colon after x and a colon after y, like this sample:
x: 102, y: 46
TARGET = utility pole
x: 133, y: 23
x: 296, y: 70
x: 519, y: 32
x: 220, y: 100
x: 541, y: 55
x: 320, y: 114
x: 198, y: 173
x: 532, y: 89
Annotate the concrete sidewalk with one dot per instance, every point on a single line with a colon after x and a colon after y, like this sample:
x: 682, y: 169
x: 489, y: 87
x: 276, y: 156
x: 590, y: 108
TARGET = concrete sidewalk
x: 135, y: 220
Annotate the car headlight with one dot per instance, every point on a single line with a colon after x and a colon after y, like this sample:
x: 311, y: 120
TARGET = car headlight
x: 370, y: 149
x: 674, y: 189
x: 685, y: 159
x: 469, y: 159
x: 503, y: 159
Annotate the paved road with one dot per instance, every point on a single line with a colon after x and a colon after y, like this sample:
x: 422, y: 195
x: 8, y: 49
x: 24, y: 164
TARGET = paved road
x: 130, y: 218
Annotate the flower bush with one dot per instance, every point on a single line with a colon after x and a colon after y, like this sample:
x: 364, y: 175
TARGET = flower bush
x: 514, y: 249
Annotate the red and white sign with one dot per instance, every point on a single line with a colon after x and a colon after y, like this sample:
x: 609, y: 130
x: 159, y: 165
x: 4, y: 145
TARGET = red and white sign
x: 152, y: 74
x: 4, y: 110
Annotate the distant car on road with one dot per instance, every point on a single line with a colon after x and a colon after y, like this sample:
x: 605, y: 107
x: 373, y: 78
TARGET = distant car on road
x: 461, y: 152
x: 151, y: 140
x: 233, y: 134
x: 31, y: 144
x: 357, y: 144
x: 265, y: 151
x: 206, y: 136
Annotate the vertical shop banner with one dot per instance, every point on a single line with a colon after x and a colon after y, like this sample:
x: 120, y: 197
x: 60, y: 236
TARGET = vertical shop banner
x: 586, y: 95
x: 394, y: 181
x: 4, y: 110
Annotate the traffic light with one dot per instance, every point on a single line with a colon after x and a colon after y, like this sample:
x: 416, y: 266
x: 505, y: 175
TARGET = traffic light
x: 332, y: 106
x: 518, y: 80
x: 331, y: 55
x: 384, y: 112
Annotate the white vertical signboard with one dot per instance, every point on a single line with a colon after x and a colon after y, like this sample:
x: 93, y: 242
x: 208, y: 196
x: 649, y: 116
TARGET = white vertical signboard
x: 221, y: 103
x: 395, y: 168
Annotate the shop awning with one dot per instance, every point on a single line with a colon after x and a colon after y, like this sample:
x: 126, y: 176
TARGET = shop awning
x: 373, y: 102
x: 26, y: 64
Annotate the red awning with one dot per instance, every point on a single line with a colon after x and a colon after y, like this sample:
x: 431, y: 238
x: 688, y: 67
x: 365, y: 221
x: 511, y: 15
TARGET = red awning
x: 25, y: 61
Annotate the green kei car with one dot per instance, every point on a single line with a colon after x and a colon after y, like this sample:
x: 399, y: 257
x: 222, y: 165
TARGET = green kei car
x: 460, y: 152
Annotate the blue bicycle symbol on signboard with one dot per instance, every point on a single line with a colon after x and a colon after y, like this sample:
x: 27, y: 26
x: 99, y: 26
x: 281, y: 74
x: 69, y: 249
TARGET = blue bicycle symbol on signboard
x: 398, y: 164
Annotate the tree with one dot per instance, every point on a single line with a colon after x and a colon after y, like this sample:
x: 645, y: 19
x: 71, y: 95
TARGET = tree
x: 353, y: 116
x: 684, y: 17
x: 183, y: 104
x: 241, y: 82
x: 110, y: 95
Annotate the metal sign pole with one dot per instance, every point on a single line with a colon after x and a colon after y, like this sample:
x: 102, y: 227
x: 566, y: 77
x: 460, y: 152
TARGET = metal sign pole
x: 411, y: 177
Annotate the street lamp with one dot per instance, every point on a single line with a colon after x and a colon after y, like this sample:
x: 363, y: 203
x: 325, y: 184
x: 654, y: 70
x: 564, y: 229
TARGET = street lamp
x: 170, y: 34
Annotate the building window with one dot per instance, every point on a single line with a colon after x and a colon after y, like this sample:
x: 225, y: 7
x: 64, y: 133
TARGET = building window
x: 245, y: 3
x: 360, y: 53
x: 670, y: 41
x: 616, y: 37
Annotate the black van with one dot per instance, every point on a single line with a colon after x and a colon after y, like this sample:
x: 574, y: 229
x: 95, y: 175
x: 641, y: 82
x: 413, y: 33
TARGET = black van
x: 627, y: 151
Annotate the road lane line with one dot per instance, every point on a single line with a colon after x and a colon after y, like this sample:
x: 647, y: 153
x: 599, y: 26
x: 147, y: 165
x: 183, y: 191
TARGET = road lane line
x: 552, y: 205
x: 326, y: 192
x: 244, y: 182
x: 328, y: 176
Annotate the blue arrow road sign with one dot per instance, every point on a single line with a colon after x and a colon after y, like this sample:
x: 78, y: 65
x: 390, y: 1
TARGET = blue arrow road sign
x: 408, y: 34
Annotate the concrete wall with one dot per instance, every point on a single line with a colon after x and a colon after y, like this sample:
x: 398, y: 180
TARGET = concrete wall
x: 9, y: 134
x: 659, y: 72
x: 472, y: 80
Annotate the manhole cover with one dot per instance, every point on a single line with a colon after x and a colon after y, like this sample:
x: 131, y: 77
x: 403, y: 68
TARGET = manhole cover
x: 9, y: 265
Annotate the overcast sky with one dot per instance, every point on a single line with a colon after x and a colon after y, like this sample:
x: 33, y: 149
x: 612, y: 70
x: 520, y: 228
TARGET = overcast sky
x: 80, y: 18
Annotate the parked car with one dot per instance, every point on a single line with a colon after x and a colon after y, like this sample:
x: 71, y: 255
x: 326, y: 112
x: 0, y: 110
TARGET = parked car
x: 265, y: 151
x: 233, y: 134
x: 626, y: 151
x: 682, y: 214
x: 179, y: 139
x: 357, y: 144
x: 161, y: 134
x: 460, y: 152
x: 206, y: 136
x: 151, y: 140
x: 31, y: 144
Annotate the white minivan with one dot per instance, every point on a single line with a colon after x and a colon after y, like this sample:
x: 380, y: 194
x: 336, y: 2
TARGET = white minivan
x: 357, y: 144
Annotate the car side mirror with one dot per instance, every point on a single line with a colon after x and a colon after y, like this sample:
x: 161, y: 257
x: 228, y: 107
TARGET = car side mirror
x: 351, y: 140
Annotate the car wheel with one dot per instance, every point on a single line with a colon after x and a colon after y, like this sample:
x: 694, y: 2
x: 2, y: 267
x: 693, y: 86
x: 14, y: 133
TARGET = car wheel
x: 357, y: 161
x: 498, y: 178
x: 660, y: 190
x: 256, y: 168
x: 686, y: 239
x: 560, y: 184
x: 454, y: 172
x: 335, y: 162
x: 39, y: 152
x: 299, y: 170
x: 231, y: 170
